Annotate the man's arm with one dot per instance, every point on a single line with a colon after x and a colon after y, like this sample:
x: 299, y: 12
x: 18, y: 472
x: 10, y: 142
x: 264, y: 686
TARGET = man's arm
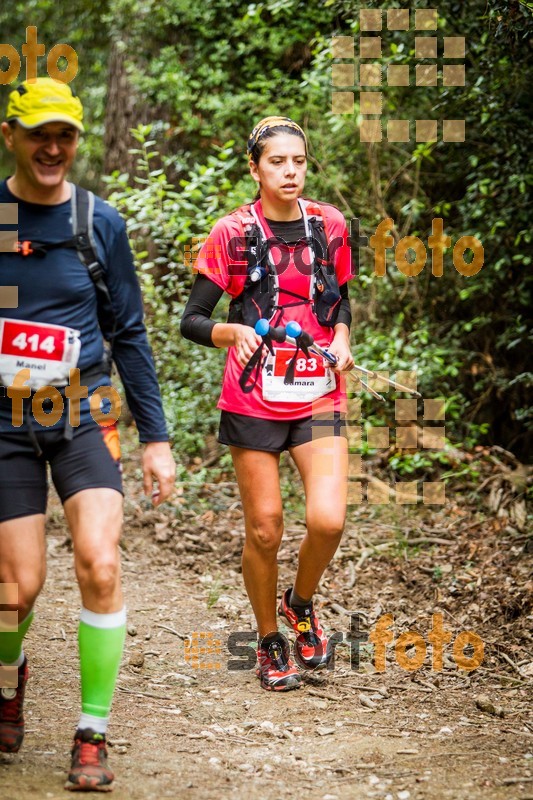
x: 133, y: 357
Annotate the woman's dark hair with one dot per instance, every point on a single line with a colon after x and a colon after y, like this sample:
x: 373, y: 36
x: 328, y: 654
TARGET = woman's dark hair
x: 257, y: 150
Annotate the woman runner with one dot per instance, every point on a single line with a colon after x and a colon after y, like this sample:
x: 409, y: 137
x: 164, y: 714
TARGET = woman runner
x: 304, y: 417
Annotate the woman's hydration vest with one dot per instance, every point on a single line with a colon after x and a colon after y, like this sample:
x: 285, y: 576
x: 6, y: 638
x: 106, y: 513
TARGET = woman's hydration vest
x: 259, y: 298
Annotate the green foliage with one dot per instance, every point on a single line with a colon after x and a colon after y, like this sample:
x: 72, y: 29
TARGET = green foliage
x: 205, y: 73
x: 162, y: 224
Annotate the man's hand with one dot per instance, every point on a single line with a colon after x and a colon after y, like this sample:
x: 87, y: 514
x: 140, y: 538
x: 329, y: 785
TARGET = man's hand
x: 158, y: 464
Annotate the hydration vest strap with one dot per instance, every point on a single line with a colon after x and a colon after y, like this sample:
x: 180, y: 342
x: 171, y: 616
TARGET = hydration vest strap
x: 255, y: 362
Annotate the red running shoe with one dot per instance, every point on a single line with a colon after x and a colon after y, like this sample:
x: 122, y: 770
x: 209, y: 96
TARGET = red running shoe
x: 276, y: 670
x: 311, y: 649
x: 89, y: 771
x: 11, y: 713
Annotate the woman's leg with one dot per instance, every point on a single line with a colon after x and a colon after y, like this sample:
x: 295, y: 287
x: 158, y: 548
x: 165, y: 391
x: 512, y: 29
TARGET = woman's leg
x: 323, y: 466
x: 258, y: 478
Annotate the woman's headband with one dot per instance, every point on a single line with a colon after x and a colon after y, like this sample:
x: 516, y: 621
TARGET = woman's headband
x: 272, y: 122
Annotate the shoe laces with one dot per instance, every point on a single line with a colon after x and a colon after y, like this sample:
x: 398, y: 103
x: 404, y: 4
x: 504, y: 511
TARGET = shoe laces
x: 308, y: 625
x: 89, y: 752
x: 11, y: 706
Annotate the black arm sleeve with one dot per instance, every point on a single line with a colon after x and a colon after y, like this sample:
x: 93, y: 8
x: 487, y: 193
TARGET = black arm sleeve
x: 345, y: 313
x: 196, y: 324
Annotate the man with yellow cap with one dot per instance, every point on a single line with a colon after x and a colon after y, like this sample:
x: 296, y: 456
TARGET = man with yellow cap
x: 55, y: 330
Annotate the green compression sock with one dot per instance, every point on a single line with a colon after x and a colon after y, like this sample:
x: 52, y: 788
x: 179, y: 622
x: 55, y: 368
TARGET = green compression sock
x: 11, y: 641
x: 101, y: 642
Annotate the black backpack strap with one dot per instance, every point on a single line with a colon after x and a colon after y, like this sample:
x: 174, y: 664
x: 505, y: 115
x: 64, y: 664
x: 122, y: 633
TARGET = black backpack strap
x: 320, y: 243
x: 82, y: 211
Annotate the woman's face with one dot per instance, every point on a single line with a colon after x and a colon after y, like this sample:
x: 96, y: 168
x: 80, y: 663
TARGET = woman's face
x: 281, y: 169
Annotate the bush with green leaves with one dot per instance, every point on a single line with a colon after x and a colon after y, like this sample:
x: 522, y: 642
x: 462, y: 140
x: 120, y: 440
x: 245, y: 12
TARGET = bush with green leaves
x: 163, y: 223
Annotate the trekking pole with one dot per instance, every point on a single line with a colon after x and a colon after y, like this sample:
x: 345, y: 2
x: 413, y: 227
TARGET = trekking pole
x: 294, y: 334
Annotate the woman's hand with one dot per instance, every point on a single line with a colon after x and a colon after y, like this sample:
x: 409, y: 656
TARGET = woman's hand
x: 242, y: 337
x: 340, y: 347
x: 246, y: 341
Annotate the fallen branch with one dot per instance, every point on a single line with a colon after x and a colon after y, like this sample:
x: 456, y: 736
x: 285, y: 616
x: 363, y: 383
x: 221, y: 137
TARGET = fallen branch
x: 181, y: 636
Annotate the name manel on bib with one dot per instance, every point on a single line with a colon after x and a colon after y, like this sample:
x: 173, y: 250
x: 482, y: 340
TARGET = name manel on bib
x: 48, y: 351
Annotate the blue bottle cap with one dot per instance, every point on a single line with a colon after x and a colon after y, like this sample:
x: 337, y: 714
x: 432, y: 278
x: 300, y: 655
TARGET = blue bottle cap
x: 262, y: 327
x: 293, y: 329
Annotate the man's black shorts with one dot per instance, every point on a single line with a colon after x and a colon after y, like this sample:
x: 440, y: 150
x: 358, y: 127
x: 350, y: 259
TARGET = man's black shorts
x: 90, y: 460
x: 273, y: 436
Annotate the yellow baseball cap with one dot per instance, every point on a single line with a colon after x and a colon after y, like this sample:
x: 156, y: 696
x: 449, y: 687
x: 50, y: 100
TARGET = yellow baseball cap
x: 44, y: 100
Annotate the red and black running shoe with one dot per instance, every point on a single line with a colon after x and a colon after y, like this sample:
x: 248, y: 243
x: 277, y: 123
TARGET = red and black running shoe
x: 12, y: 714
x: 275, y: 668
x: 89, y: 771
x: 311, y: 646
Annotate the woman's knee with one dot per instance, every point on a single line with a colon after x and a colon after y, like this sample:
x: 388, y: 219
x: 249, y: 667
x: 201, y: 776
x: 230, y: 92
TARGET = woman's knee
x: 329, y: 527
x: 264, y: 532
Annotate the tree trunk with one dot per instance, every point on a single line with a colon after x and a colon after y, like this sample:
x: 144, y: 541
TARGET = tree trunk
x: 121, y: 113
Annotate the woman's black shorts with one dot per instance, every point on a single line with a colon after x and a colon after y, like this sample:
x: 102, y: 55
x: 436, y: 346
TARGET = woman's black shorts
x: 90, y: 460
x: 273, y: 436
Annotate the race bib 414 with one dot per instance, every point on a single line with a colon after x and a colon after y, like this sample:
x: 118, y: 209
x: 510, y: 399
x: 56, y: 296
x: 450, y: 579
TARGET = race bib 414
x: 48, y: 351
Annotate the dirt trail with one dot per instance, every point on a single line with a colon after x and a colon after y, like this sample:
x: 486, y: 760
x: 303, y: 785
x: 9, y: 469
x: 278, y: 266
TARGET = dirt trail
x: 198, y: 730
